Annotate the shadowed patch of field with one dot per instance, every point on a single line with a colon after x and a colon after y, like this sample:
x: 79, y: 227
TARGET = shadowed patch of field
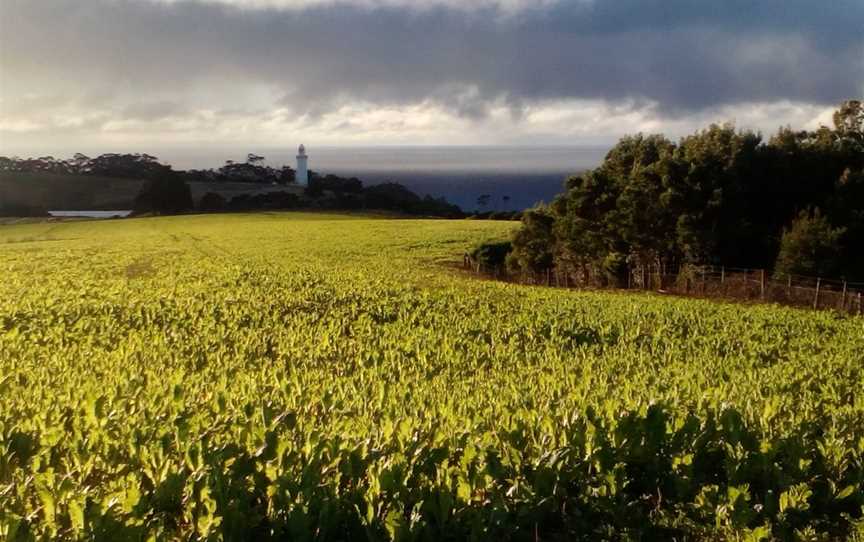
x: 141, y: 268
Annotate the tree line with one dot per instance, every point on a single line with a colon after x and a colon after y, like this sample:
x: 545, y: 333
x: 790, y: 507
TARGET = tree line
x: 147, y: 166
x: 133, y: 166
x: 167, y: 191
x: 793, y: 203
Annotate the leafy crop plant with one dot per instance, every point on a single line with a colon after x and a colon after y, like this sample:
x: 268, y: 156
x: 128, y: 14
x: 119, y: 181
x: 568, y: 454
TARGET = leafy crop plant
x: 315, y: 377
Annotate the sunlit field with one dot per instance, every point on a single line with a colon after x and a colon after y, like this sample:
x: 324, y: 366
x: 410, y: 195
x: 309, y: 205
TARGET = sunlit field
x: 328, y: 377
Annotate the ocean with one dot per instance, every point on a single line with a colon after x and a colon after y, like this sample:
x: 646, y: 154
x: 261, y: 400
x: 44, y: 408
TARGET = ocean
x: 513, y: 177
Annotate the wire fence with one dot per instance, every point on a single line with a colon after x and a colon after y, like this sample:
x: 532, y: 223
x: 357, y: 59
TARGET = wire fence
x: 706, y: 281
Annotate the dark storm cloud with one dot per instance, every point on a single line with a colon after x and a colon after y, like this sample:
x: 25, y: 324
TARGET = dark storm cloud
x: 156, y: 58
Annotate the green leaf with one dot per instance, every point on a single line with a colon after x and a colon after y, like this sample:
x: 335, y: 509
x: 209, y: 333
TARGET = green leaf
x: 846, y: 492
x: 76, y: 516
x: 796, y: 497
x: 48, y: 505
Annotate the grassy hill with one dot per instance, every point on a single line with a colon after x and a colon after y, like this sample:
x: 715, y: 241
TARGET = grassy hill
x: 49, y: 191
x: 332, y: 377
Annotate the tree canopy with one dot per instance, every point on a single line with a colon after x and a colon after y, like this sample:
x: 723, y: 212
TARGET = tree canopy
x: 718, y: 196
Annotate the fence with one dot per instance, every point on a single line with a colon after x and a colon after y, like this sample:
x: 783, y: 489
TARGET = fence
x: 709, y: 281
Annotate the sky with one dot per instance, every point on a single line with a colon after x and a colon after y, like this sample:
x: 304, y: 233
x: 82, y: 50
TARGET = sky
x: 138, y: 75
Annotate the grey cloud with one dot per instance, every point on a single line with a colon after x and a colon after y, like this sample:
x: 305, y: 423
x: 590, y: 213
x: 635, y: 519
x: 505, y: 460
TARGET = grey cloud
x: 152, y: 110
x: 153, y: 59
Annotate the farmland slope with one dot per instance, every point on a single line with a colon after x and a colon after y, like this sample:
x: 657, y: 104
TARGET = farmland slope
x: 329, y: 377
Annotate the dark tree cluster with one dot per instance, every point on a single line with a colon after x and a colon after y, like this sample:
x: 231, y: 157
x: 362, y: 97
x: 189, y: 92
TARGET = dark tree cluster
x: 720, y: 196
x: 332, y: 191
x: 497, y: 215
x: 251, y: 171
x: 491, y: 255
x: 164, y: 194
x: 131, y: 166
x: 320, y: 184
x: 146, y: 166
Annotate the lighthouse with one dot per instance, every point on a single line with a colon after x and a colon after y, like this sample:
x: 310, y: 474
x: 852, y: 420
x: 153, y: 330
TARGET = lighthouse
x: 302, y: 175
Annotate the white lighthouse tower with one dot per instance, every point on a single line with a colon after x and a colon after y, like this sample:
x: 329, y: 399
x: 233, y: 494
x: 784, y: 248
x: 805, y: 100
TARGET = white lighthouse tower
x: 302, y: 174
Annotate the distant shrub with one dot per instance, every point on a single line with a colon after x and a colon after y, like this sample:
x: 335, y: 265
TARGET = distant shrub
x: 496, y: 215
x: 167, y: 193
x: 491, y: 255
x: 332, y: 183
x: 505, y: 215
x: 348, y: 201
x: 397, y: 197
x: 240, y: 203
x: 533, y: 243
x: 811, y: 246
x: 390, y: 196
x: 614, y: 269
x: 212, y: 201
x: 278, y: 200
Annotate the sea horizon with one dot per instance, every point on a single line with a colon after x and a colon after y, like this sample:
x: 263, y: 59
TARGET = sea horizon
x: 514, y: 176
x: 406, y: 158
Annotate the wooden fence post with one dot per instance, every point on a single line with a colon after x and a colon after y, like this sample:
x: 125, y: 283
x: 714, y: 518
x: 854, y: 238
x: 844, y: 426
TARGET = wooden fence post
x: 816, y: 297
x: 762, y: 284
x: 789, y: 288
x: 843, y: 301
x: 859, y: 303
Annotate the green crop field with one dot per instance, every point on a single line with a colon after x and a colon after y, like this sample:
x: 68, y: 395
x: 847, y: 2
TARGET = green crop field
x: 315, y: 377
